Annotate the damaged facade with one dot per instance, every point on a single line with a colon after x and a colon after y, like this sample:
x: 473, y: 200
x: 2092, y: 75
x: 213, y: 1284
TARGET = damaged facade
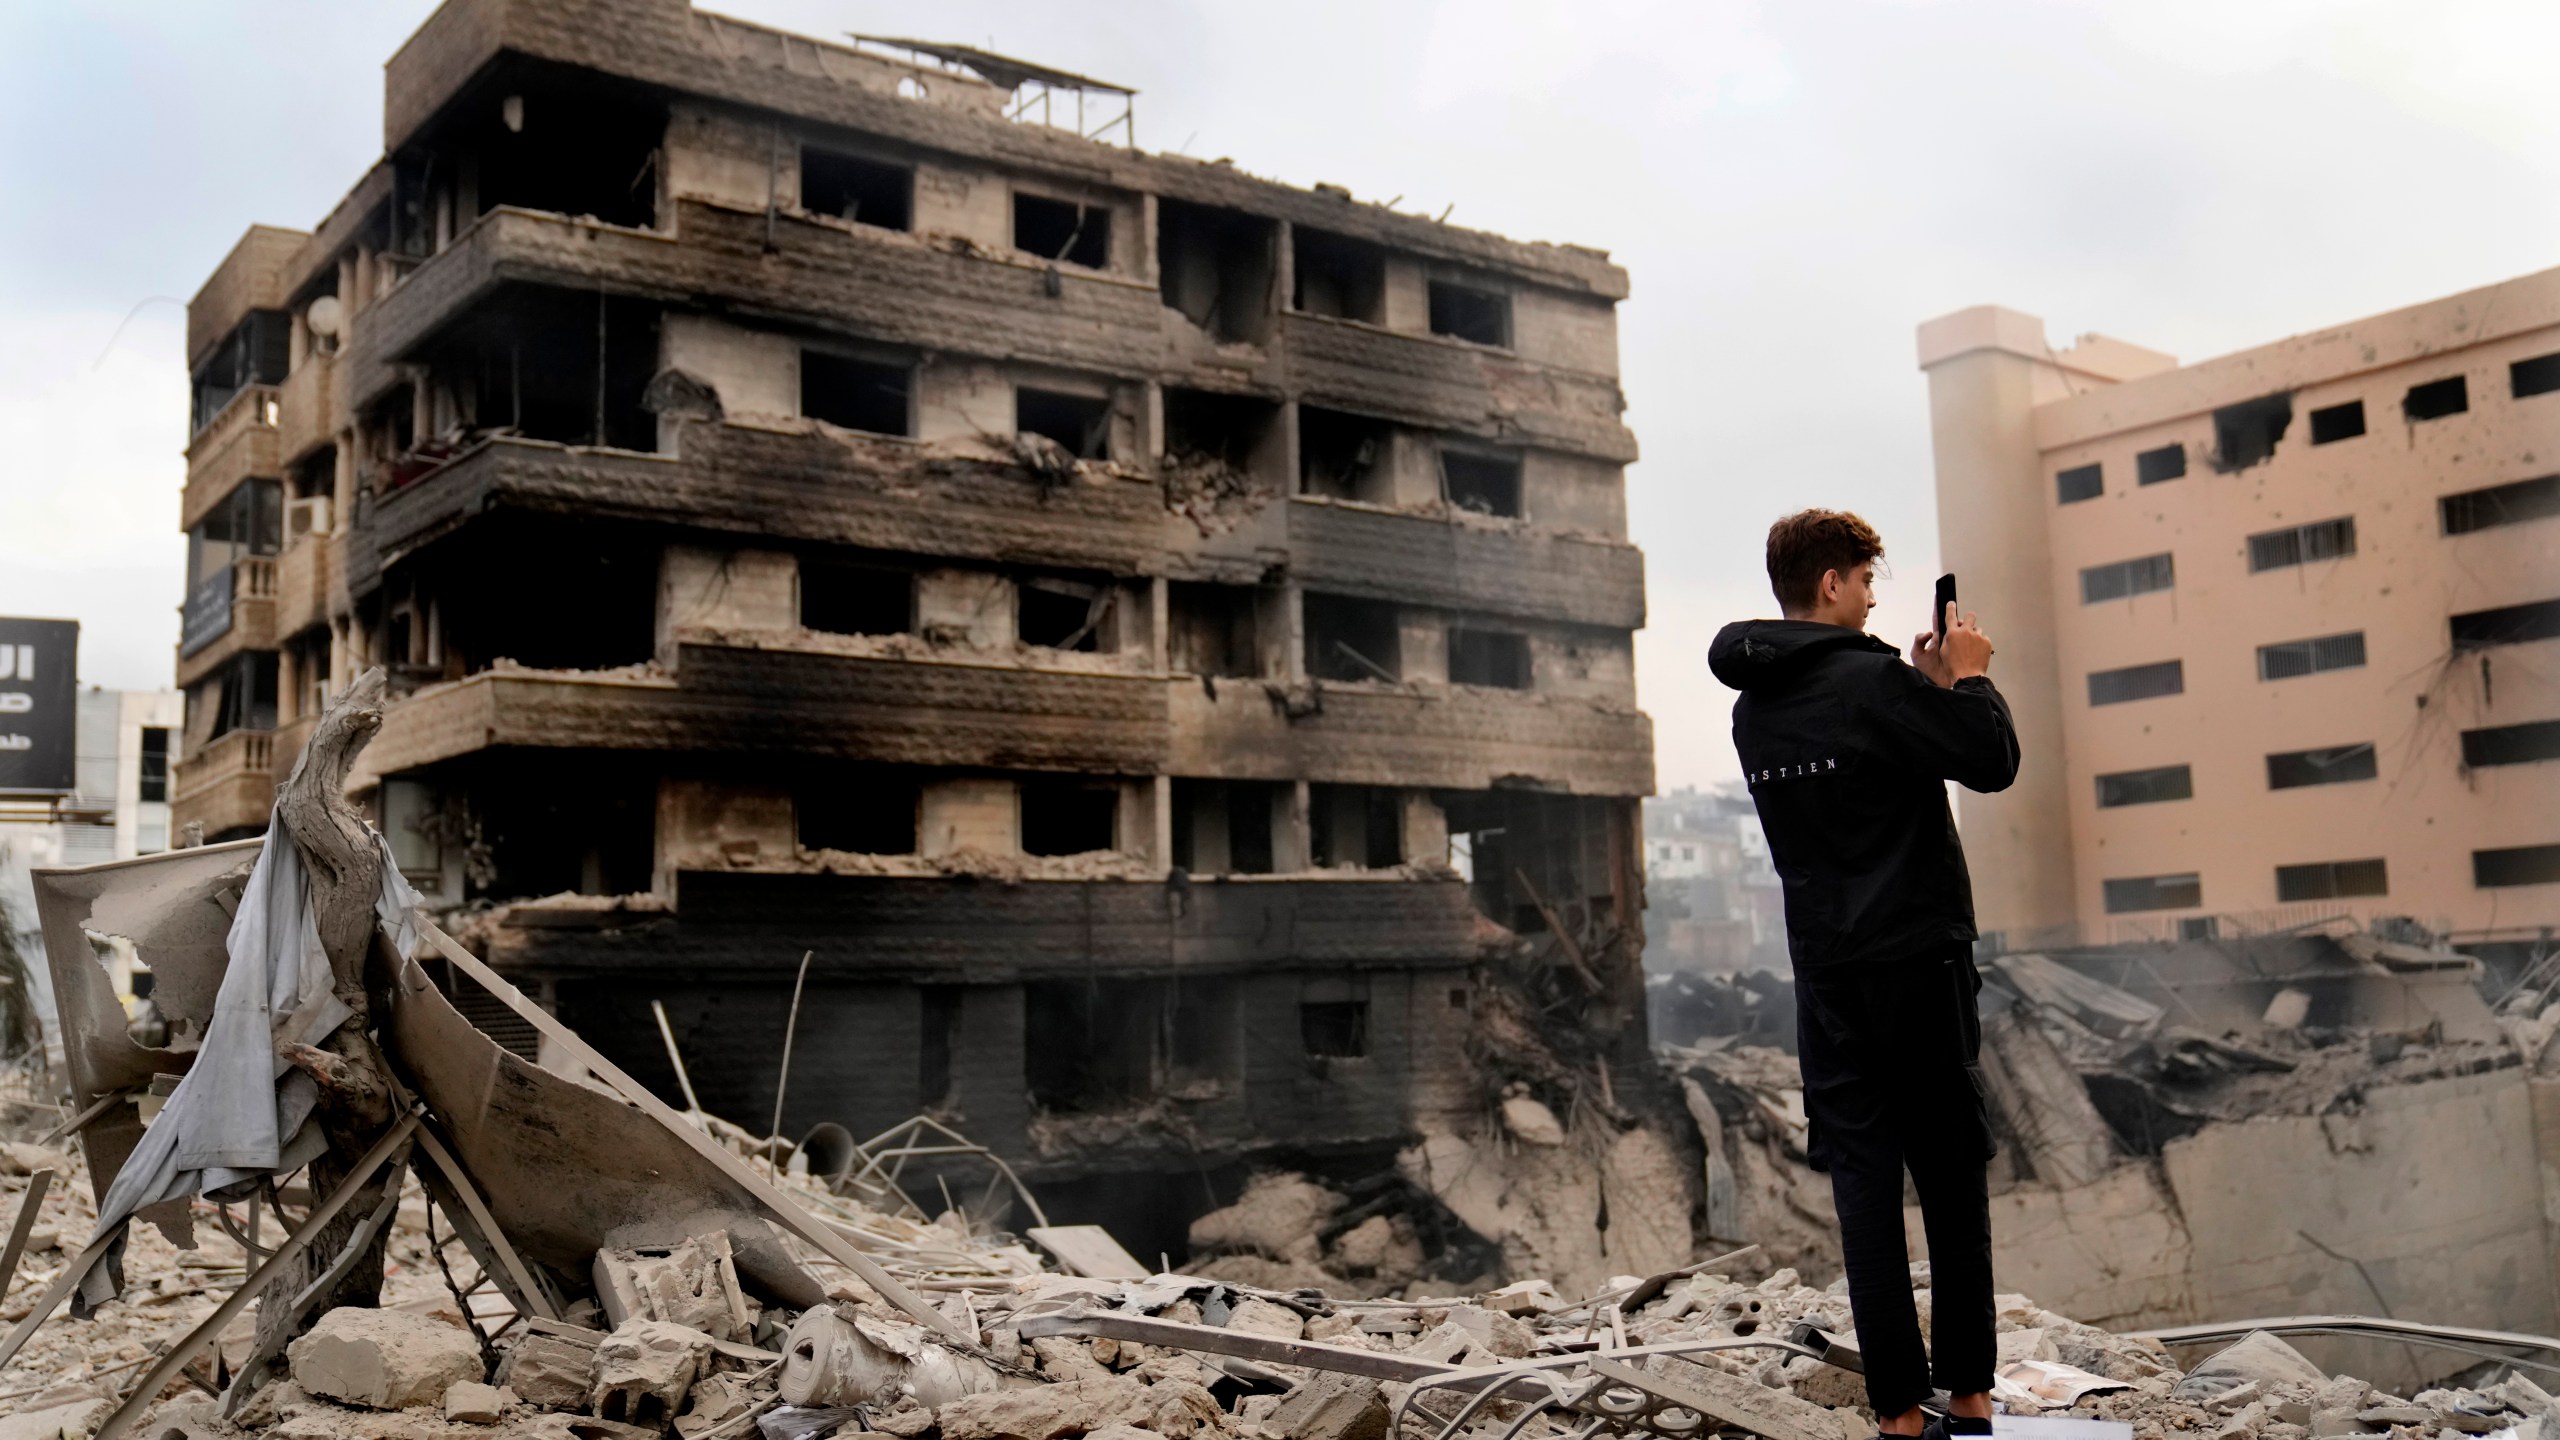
x: 1145, y: 633
x: 2288, y: 618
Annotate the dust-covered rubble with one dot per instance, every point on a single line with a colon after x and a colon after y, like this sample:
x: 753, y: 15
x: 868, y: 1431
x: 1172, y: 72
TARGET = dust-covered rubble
x: 857, y: 1367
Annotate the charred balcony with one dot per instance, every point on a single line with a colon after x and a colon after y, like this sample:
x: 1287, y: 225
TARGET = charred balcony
x: 1381, y: 733
x: 921, y: 930
x: 736, y: 698
x: 900, y: 289
x: 788, y: 485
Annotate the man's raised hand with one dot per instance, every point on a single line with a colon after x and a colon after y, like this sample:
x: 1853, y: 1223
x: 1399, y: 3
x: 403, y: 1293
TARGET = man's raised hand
x: 1963, y: 654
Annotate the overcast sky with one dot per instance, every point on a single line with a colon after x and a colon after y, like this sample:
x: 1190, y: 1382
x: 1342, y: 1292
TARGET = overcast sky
x: 1793, y: 186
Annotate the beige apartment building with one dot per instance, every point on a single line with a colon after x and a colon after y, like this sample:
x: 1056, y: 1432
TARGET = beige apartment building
x: 2281, y: 629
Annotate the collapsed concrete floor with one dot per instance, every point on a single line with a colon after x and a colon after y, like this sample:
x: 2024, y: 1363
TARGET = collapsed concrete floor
x: 2321, y: 1122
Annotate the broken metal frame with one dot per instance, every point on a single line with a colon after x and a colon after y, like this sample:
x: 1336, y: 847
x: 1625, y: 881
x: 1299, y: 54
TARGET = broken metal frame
x: 1014, y: 76
x: 249, y: 1377
x: 1601, y: 1393
x: 757, y: 1188
x: 25, y: 1224
x: 147, y: 1390
x: 894, y: 1147
x: 2484, y: 1343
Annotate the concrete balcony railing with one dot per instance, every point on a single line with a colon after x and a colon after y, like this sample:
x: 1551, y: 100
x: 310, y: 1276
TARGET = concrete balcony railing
x: 741, y: 699
x: 302, y: 579
x: 1458, y: 737
x: 835, y: 488
x: 1465, y: 565
x: 1451, y: 385
x: 231, y: 610
x: 883, y: 928
x: 227, y: 785
x: 236, y: 445
x: 903, y: 290
x: 307, y: 412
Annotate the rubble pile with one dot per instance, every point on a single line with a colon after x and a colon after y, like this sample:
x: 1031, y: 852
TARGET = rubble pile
x: 670, y: 1343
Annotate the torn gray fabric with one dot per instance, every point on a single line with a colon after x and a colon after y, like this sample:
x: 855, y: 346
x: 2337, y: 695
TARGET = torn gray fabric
x: 240, y: 1112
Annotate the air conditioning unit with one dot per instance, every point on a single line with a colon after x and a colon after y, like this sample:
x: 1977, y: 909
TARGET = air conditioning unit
x: 307, y: 517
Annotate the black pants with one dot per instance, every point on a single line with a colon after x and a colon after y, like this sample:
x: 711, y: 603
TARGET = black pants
x: 1891, y: 1081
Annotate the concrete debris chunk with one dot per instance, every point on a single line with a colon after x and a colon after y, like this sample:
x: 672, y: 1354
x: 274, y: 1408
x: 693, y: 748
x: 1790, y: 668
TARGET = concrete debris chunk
x: 473, y: 1403
x: 1263, y: 1317
x: 553, y: 1371
x: 382, y: 1359
x: 19, y: 1158
x: 1525, y: 1297
x: 1329, y: 1407
x: 694, y: 1284
x: 716, y: 1399
x: 1277, y: 1216
x: 643, y: 1369
x: 75, y: 1418
x: 1531, y: 1122
x: 2255, y: 1356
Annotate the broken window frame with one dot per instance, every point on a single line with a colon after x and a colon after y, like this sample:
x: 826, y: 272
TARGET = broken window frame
x: 1496, y: 476
x: 1380, y: 842
x: 1231, y: 299
x: 1473, y: 311
x: 1086, y: 243
x: 2124, y: 579
x: 2524, y: 744
x: 2332, y: 880
x: 2298, y: 545
x: 2533, y: 375
x: 824, y: 592
x: 1099, y: 794
x: 1189, y: 620
x: 2158, y: 466
x: 2515, y: 865
x: 1493, y: 659
x: 1090, y: 635
x: 1335, y: 258
x: 2294, y: 659
x: 2326, y: 765
x: 2153, y: 786
x: 1249, y: 811
x: 2493, y: 506
x: 1332, y: 658
x: 1345, y: 456
x: 867, y: 171
x: 2333, y: 423
x: 843, y: 369
x: 2436, y: 399
x: 876, y: 798
x: 2143, y: 894
x: 1086, y: 434
x: 2523, y: 624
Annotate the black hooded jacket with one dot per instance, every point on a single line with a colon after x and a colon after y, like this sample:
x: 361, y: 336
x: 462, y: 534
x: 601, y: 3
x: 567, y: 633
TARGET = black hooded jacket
x: 1847, y: 751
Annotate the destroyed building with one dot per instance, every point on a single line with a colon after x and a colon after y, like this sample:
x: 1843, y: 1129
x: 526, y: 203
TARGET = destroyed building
x: 1142, y: 632
x: 2277, y: 627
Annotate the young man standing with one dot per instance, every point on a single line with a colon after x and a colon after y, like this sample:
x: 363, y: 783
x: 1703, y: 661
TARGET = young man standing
x: 1847, y: 751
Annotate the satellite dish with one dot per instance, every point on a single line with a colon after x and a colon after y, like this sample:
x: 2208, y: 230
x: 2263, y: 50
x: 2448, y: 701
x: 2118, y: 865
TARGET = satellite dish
x: 324, y: 315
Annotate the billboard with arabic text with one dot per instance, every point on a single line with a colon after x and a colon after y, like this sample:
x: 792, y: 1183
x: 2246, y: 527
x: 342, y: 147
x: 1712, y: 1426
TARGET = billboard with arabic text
x: 39, y: 693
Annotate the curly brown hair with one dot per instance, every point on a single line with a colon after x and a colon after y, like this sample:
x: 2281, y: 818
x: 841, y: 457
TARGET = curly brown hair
x: 1808, y: 543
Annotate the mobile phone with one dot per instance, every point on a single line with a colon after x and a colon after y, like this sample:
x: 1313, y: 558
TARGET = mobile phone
x: 1946, y: 596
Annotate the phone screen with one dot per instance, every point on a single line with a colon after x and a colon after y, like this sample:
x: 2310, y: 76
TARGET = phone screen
x: 1946, y: 596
